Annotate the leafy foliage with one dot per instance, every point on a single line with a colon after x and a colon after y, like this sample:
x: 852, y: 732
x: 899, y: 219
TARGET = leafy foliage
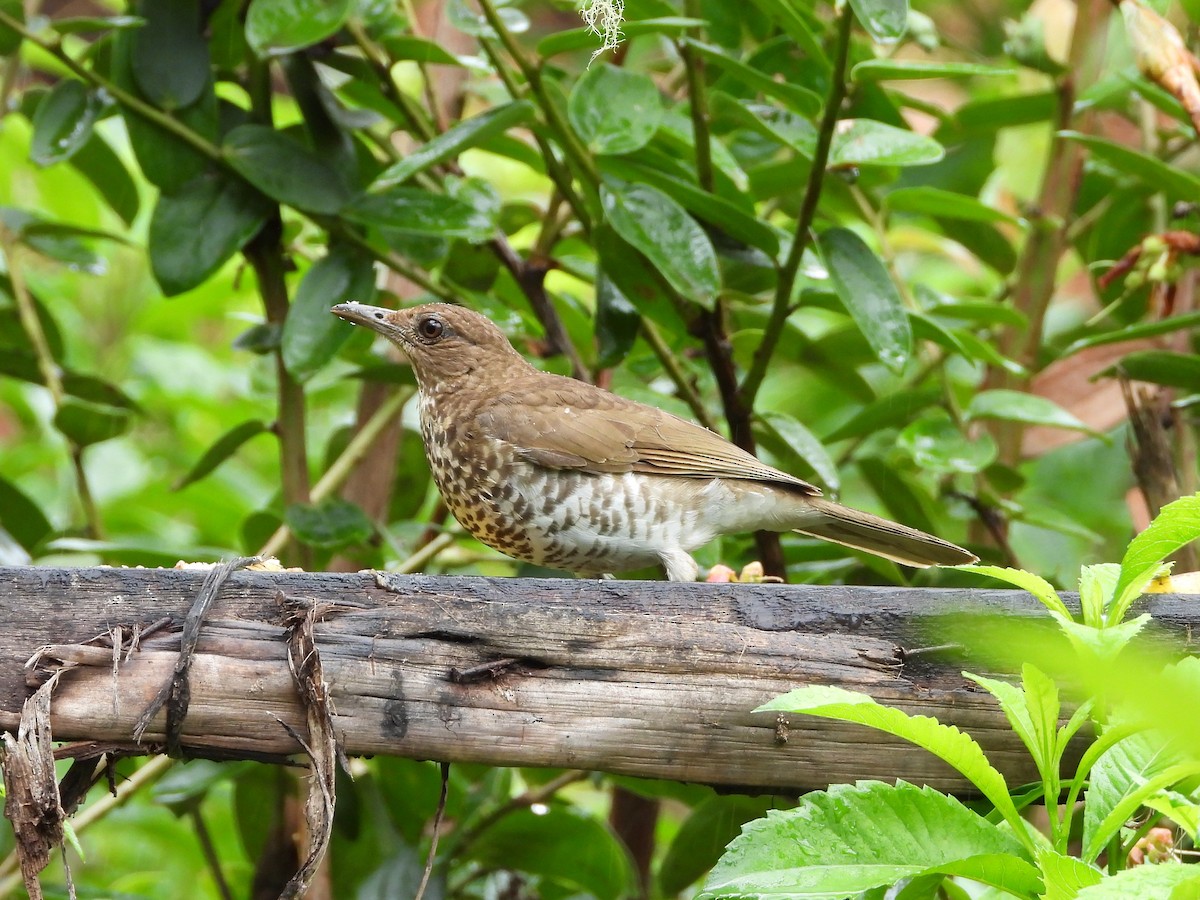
x: 849, y: 236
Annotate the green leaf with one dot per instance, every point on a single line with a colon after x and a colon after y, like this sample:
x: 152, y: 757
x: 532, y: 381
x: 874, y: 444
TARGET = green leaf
x: 311, y: 336
x: 852, y: 838
x: 662, y: 230
x: 86, y: 423
x: 79, y: 24
x: 617, y: 322
x: 782, y: 125
x: 1122, y: 779
x: 637, y: 281
x: 574, y: 851
x: 1018, y: 406
x: 22, y: 518
x: 1181, y: 370
x: 788, y: 439
x: 1064, y: 876
x: 195, y: 231
x: 889, y: 411
x: 937, y: 444
x: 866, y: 142
x: 10, y: 40
x: 223, y: 448
x: 284, y: 169
x: 418, y: 49
x: 884, y: 20
x: 467, y: 133
x: 942, y: 204
x: 702, y: 837
x: 169, y: 54
x: 713, y: 209
x: 1176, y: 524
x: 63, y: 122
x: 416, y: 211
x: 167, y: 161
x: 872, y: 70
x: 275, y: 27
x: 332, y: 523
x: 615, y: 110
x: 585, y: 39
x: 944, y: 741
x: 97, y: 162
x: 1173, y: 181
x: 1183, y: 322
x: 797, y: 99
x: 1032, y: 710
x: 1027, y: 581
x: 1166, y: 881
x: 869, y: 295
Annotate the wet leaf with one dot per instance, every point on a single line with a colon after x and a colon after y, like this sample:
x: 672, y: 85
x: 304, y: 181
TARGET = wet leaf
x: 63, y: 123
x: 275, y: 27
x: 284, y: 169
x: 615, y: 110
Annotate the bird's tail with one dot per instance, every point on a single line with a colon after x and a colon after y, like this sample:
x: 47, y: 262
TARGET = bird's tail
x: 893, y: 541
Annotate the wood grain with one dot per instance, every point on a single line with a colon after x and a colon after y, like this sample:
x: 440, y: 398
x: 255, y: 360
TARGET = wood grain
x: 638, y: 678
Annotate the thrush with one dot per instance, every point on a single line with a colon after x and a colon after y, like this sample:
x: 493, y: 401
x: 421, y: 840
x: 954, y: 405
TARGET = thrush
x: 560, y: 473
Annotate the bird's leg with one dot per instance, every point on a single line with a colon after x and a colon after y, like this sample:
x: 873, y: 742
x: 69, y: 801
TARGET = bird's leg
x: 679, y: 565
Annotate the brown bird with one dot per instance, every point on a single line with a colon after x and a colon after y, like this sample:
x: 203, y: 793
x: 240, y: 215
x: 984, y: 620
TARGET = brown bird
x: 560, y: 473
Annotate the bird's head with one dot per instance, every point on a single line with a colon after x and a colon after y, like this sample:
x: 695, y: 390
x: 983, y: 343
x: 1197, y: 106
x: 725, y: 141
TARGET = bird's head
x: 443, y: 342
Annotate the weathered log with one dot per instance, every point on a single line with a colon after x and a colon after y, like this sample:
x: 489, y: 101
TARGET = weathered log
x: 638, y: 678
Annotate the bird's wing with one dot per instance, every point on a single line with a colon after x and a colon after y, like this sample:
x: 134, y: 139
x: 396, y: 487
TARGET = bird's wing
x: 561, y: 423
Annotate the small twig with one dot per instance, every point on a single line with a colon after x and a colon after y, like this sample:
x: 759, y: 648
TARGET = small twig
x: 437, y: 828
x: 209, y: 851
x: 808, y: 210
x: 675, y: 372
x: 422, y: 557
x: 538, y: 794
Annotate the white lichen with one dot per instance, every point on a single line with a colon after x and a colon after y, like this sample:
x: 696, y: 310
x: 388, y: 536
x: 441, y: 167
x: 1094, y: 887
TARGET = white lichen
x: 603, y: 18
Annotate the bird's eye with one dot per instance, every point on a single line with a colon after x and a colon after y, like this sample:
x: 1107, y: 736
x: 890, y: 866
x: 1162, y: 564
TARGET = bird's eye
x: 430, y: 328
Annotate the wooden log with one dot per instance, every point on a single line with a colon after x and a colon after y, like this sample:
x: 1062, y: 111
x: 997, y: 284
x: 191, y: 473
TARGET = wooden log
x: 637, y: 678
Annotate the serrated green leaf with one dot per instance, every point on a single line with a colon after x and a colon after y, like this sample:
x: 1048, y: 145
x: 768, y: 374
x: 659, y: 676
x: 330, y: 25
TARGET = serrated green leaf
x: 869, y: 295
x: 1177, y: 524
x: 467, y: 133
x: 416, y: 211
x: 944, y: 741
x: 866, y: 142
x: 196, y: 230
x: 63, y: 122
x: 1166, y: 881
x: 851, y: 838
x: 311, y: 336
x: 1064, y: 876
x: 223, y: 448
x: 1026, y: 581
x: 662, y: 230
x: 885, y: 20
x: 615, y: 110
x: 332, y: 523
x: 275, y: 27
x: 284, y: 169
x: 1018, y: 406
x: 1096, y: 586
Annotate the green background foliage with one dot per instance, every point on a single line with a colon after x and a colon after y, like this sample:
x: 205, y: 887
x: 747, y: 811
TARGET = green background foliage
x: 865, y: 242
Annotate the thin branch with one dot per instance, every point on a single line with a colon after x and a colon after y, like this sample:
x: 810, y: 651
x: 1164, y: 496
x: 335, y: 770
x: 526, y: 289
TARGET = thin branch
x: 808, y: 210
x: 675, y: 372
x: 437, y: 827
x: 539, y: 794
x: 698, y: 104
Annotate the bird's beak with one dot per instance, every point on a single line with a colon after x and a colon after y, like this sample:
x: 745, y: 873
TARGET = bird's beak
x: 374, y: 317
